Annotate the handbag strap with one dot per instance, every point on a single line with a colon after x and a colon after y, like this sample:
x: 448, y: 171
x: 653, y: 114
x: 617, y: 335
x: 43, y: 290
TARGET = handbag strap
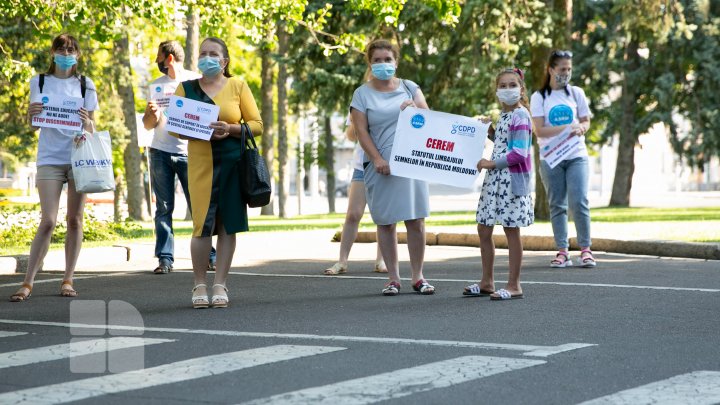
x: 247, y: 137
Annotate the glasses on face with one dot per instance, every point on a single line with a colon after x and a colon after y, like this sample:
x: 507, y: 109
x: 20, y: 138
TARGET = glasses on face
x: 65, y: 49
x: 562, y: 54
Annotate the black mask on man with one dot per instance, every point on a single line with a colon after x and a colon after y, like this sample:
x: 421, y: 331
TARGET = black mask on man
x: 163, y: 69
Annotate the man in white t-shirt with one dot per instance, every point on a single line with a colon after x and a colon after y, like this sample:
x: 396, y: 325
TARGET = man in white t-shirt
x: 168, y: 154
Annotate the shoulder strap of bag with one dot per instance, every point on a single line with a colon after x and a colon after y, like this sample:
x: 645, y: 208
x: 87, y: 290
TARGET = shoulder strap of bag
x: 41, y: 81
x: 407, y: 89
x: 83, y: 85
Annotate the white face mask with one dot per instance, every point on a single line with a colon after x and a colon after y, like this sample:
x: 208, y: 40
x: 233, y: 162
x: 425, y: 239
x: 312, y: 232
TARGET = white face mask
x: 508, y: 96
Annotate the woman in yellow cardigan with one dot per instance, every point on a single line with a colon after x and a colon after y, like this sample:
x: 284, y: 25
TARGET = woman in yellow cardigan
x: 217, y: 204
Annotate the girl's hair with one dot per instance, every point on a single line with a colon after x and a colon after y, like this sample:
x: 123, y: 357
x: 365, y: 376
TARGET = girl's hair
x: 67, y: 41
x: 521, y: 81
x: 381, y: 44
x: 555, y: 56
x: 225, y: 53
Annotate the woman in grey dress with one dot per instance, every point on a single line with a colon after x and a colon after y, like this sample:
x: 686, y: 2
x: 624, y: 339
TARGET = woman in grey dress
x: 375, y: 108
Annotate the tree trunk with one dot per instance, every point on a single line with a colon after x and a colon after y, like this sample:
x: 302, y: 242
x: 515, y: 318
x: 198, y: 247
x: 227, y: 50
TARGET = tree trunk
x: 625, y: 168
x: 539, y: 57
x: 117, y: 196
x: 192, y: 38
x: 330, y: 164
x: 131, y: 155
x: 283, y: 172
x: 267, y: 113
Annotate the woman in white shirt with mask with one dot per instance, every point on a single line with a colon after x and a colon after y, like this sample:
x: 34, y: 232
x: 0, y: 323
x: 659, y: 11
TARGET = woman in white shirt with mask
x: 53, y: 162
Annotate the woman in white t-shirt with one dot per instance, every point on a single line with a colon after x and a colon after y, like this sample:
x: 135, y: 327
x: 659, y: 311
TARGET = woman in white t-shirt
x: 555, y: 107
x: 53, y: 162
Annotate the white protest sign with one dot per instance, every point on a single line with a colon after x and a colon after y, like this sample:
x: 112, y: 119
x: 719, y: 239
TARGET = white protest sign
x: 161, y: 93
x: 560, y: 147
x: 437, y: 147
x: 59, y: 112
x: 190, y: 117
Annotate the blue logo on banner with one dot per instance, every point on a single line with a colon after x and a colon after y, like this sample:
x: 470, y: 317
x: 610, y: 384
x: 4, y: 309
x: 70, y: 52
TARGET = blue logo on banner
x: 179, y: 103
x: 417, y: 121
x: 561, y: 114
x: 157, y: 89
x: 45, y: 99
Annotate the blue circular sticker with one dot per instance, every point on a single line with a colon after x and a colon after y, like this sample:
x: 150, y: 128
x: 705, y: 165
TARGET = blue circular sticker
x: 417, y: 121
x: 157, y: 89
x: 45, y: 99
x: 179, y: 103
x: 561, y: 114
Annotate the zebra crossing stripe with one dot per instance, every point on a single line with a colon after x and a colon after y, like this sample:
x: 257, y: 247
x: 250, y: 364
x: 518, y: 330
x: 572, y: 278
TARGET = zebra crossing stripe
x: 400, y: 383
x: 11, y: 334
x: 697, y: 388
x: 165, y: 374
x: 74, y: 349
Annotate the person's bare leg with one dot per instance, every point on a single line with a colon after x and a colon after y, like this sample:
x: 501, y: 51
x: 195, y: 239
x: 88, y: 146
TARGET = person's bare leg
x: 515, y: 254
x: 355, y: 211
x: 416, y: 247
x: 49, y: 193
x: 74, y: 237
x: 200, y: 252
x: 487, y: 256
x: 225, y: 251
x: 387, y: 240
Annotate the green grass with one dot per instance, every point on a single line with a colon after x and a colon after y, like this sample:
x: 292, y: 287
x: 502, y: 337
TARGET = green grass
x: 688, y: 224
x: 655, y: 214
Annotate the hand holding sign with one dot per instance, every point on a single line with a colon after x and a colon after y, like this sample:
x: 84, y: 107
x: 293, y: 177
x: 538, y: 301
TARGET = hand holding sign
x: 58, y: 111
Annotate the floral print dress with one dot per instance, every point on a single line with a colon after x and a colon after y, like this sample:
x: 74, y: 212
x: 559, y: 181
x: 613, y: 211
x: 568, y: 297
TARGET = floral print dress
x: 497, y: 204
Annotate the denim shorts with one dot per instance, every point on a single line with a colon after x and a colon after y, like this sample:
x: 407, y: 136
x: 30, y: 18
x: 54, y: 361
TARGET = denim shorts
x: 61, y: 173
x: 358, y: 175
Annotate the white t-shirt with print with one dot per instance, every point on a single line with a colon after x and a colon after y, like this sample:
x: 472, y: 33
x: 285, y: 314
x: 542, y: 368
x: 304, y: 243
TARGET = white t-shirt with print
x: 560, y: 108
x: 55, y: 145
x: 162, y: 140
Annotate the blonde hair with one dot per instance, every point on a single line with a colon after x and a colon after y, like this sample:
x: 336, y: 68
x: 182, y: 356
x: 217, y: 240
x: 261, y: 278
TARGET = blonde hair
x: 381, y: 44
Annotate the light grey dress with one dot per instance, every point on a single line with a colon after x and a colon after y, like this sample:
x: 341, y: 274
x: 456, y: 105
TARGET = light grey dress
x: 391, y: 199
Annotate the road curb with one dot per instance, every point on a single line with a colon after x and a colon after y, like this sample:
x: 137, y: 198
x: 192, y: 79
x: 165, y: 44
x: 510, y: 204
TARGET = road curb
x: 690, y: 250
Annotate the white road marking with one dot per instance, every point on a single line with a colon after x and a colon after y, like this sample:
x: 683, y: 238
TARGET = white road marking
x: 11, y: 334
x: 74, y: 349
x: 528, y: 350
x: 642, y: 287
x: 697, y: 388
x: 171, y: 373
x: 400, y: 383
x: 60, y: 279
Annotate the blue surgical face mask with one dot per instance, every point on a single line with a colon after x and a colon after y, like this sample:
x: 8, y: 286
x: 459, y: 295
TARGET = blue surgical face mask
x: 383, y: 71
x: 65, y: 62
x: 209, y: 66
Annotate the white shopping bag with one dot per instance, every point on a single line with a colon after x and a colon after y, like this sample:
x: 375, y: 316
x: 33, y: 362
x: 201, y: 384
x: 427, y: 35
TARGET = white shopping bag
x: 92, y: 163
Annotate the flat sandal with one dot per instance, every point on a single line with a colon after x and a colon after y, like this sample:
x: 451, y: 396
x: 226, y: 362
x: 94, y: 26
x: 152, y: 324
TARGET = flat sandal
x: 21, y: 296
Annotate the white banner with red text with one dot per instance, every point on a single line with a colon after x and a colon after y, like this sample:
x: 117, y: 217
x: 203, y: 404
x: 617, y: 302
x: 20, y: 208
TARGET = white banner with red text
x: 437, y: 147
x: 59, y: 112
x: 190, y: 117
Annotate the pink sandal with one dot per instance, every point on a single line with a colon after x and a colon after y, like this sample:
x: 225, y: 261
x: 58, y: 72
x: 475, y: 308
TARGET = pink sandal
x: 561, y: 260
x: 587, y: 259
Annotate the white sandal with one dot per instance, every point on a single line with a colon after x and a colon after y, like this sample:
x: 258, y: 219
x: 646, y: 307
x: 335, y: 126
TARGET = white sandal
x: 200, y: 301
x: 335, y: 269
x: 220, y: 300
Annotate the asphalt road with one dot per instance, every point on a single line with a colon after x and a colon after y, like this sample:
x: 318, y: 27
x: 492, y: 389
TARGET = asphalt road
x: 634, y: 330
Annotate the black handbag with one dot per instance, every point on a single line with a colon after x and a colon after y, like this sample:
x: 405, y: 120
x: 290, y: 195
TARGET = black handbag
x: 254, y: 175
